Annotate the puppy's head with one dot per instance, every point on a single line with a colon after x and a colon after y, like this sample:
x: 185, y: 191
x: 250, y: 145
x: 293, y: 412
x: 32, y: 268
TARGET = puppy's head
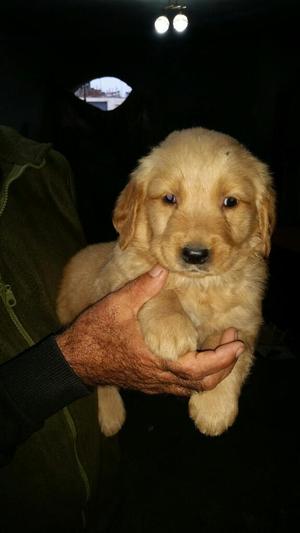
x: 199, y: 204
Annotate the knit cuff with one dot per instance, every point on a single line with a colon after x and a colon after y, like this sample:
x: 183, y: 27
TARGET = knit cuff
x: 40, y: 382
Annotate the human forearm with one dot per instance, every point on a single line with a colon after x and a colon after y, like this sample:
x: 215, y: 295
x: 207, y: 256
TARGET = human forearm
x: 33, y: 386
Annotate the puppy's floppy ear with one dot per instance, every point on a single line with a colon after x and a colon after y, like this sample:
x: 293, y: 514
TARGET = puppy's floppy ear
x: 266, y: 218
x: 126, y: 211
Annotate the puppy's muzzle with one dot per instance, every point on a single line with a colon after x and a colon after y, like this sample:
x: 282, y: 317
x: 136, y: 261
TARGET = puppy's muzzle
x: 195, y: 255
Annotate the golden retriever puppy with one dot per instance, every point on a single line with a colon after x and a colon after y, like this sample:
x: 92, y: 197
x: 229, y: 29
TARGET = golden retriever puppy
x: 202, y: 206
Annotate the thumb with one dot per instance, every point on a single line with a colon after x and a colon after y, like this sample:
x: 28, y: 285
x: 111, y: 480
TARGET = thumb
x: 141, y: 289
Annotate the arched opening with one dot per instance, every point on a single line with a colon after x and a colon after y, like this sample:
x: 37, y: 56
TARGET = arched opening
x: 106, y: 93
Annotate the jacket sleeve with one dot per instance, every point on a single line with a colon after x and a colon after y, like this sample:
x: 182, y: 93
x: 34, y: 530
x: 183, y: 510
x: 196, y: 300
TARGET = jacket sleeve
x: 33, y: 386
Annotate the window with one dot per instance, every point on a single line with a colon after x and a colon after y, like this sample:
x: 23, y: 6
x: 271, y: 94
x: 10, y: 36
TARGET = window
x: 105, y: 93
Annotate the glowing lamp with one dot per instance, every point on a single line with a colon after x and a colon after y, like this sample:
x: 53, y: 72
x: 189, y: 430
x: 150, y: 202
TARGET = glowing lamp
x: 180, y: 22
x: 162, y: 24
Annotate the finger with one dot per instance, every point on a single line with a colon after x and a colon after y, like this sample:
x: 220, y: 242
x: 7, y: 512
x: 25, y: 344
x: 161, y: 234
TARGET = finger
x: 211, y: 381
x: 197, y: 365
x: 220, y: 358
x: 176, y: 390
x: 168, y: 379
x: 141, y: 289
x: 161, y: 380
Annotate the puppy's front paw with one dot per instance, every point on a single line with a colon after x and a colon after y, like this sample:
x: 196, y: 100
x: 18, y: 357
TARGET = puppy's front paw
x: 171, y: 336
x: 111, y: 410
x: 212, y: 411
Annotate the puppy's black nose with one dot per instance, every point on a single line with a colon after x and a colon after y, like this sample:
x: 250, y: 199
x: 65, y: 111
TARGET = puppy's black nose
x: 195, y: 255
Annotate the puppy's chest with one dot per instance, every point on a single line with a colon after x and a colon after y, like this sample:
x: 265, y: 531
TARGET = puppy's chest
x: 210, y: 309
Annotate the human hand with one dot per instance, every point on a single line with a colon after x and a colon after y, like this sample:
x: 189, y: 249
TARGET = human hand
x: 104, y: 346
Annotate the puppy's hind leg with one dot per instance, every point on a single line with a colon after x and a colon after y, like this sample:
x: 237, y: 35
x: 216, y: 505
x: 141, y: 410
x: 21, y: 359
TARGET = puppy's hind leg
x: 111, y: 410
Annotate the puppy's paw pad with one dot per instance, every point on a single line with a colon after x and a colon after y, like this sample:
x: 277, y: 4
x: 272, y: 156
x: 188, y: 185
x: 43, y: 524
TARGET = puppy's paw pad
x: 212, y: 413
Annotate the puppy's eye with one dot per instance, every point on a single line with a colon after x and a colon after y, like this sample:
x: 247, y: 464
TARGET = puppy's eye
x: 229, y: 202
x: 170, y: 199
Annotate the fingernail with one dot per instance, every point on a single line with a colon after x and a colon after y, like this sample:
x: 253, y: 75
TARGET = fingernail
x: 239, y: 351
x: 156, y: 271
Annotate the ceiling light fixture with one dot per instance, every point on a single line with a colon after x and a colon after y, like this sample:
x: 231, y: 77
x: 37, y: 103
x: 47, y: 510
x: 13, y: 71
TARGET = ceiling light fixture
x: 176, y: 11
x: 162, y: 24
x: 180, y: 22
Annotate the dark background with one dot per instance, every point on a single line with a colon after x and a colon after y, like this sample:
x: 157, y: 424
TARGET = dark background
x: 236, y: 70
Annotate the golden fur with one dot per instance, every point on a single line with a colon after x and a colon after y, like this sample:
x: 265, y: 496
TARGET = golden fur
x: 201, y: 168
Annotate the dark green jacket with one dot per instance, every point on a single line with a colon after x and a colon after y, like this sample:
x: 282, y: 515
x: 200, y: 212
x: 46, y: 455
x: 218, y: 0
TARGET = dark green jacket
x: 57, y: 474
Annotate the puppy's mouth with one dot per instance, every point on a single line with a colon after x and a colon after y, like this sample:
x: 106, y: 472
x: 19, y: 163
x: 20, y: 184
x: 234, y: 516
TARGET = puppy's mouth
x: 194, y: 270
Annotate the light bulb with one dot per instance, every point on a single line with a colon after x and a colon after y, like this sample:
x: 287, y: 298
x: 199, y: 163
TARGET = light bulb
x: 180, y: 22
x: 162, y: 24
